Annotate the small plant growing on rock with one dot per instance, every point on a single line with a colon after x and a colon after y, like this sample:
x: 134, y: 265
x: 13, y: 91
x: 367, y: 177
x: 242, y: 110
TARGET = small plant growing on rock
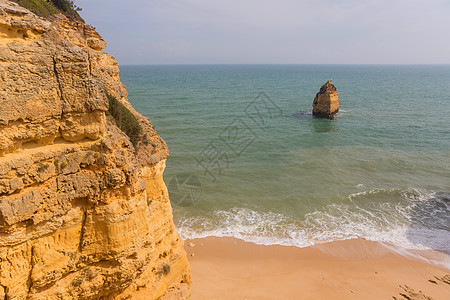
x: 89, y: 274
x: 42, y: 167
x: 47, y: 8
x: 124, y: 119
x: 63, y: 165
x: 77, y: 281
x: 165, y: 269
x: 145, y: 140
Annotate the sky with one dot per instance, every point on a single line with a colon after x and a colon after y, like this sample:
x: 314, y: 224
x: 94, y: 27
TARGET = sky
x: 273, y: 32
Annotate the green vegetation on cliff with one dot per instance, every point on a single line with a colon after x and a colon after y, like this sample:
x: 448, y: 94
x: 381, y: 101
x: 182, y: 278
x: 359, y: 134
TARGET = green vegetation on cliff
x: 47, y: 8
x: 124, y: 118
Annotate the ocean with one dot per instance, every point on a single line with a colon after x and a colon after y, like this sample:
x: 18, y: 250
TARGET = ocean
x: 248, y: 160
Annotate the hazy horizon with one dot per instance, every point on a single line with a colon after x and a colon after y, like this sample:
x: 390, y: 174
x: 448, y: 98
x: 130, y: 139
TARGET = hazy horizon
x: 266, y: 32
x: 280, y: 64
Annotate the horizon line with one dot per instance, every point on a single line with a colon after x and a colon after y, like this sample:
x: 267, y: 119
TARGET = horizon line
x: 280, y: 64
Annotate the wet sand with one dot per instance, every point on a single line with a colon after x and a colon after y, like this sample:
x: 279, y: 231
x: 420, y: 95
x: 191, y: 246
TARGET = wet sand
x: 228, y: 268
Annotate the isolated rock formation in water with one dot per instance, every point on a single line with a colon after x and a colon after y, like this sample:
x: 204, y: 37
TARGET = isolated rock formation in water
x: 84, y: 211
x: 326, y: 102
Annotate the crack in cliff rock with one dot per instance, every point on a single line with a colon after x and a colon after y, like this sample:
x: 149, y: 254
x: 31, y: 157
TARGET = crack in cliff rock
x: 30, y: 280
x: 83, y: 230
x: 58, y: 80
x: 5, y: 291
x: 89, y: 63
x: 3, y: 224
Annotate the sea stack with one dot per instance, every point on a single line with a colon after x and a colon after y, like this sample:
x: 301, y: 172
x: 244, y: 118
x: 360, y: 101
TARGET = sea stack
x: 326, y: 103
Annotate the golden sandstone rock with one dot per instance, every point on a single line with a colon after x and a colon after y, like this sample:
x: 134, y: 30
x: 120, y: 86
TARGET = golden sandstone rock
x: 83, y: 213
x: 326, y: 102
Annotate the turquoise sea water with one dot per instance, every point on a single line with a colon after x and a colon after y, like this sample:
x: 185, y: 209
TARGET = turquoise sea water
x: 248, y: 160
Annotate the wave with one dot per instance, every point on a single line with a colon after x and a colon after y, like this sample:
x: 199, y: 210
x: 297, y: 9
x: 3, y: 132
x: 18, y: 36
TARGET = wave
x: 416, y: 219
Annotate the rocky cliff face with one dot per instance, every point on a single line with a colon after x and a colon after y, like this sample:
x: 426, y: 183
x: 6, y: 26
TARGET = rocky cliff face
x: 84, y: 214
x: 326, y: 102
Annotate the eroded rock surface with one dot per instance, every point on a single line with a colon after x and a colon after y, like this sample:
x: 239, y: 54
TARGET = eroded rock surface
x: 83, y: 213
x: 326, y: 102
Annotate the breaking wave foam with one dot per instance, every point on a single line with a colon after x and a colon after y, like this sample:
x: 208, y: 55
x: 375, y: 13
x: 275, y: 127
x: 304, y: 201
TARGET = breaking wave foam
x: 417, y: 220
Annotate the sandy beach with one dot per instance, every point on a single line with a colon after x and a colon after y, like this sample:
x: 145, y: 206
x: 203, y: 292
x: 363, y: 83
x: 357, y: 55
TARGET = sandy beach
x: 228, y: 268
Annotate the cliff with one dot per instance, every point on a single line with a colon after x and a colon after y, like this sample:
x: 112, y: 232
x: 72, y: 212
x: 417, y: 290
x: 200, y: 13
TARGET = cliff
x: 326, y: 102
x: 84, y: 212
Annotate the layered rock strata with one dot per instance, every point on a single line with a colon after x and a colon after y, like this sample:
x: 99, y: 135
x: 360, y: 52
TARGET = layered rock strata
x: 326, y: 102
x: 84, y: 213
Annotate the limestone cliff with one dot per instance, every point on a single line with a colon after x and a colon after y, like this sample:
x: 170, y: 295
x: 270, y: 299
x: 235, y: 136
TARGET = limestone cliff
x: 84, y: 213
x: 326, y: 102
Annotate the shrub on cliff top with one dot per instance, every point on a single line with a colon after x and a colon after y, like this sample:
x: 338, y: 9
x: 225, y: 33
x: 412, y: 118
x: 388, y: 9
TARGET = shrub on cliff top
x: 125, y: 120
x: 46, y: 8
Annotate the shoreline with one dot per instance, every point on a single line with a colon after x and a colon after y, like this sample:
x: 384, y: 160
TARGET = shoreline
x: 229, y: 268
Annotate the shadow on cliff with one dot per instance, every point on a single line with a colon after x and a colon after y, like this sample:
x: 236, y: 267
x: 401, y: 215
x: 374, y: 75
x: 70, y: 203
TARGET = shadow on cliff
x: 318, y: 125
x: 430, y: 223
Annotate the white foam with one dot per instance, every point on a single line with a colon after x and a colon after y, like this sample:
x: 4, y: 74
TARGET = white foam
x: 418, y: 222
